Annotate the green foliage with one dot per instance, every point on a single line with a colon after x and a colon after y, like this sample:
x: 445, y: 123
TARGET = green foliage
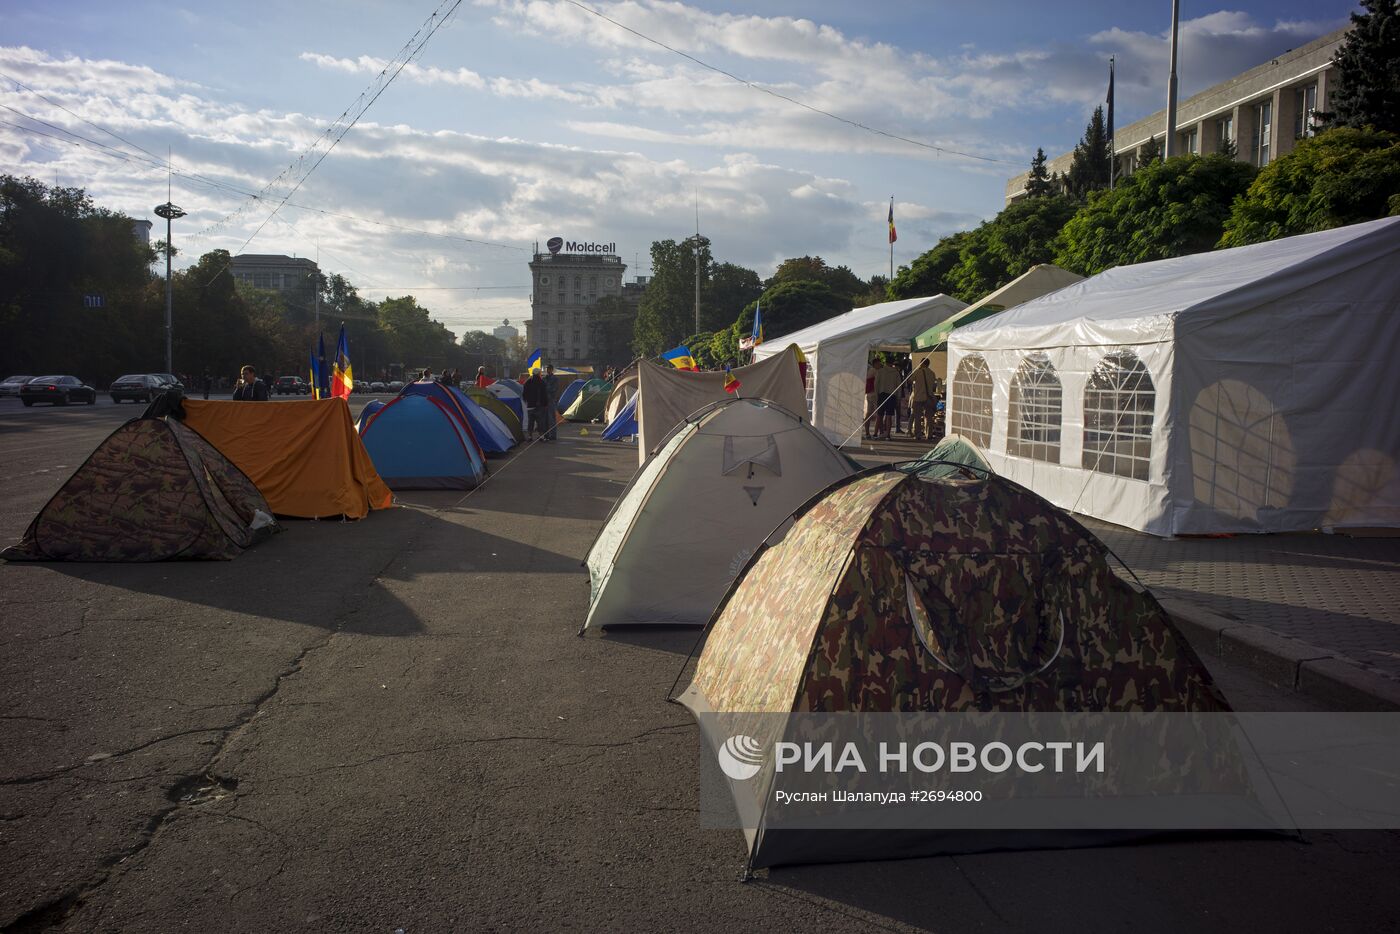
x: 728, y: 289
x: 1038, y: 181
x: 1170, y: 208
x: 667, y: 310
x: 1343, y: 176
x: 1089, y: 169
x: 969, y: 264
x: 1151, y: 151
x: 610, y: 327
x: 788, y: 307
x: 1368, y: 70
x: 839, y: 279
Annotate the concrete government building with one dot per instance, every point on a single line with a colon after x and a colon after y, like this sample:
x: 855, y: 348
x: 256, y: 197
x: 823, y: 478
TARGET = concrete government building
x: 565, y: 282
x: 1262, y: 113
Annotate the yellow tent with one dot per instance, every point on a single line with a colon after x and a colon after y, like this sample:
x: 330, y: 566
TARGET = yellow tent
x: 304, y: 457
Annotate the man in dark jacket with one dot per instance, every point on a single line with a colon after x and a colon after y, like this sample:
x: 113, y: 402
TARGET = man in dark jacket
x: 535, y: 395
x: 250, y: 388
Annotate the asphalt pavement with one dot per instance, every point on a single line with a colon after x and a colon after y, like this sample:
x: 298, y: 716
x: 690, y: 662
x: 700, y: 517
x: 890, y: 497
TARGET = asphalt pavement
x: 390, y: 724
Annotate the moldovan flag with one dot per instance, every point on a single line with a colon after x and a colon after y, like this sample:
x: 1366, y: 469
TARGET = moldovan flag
x: 731, y: 382
x: 342, y: 375
x: 893, y: 236
x: 680, y: 358
x: 536, y: 361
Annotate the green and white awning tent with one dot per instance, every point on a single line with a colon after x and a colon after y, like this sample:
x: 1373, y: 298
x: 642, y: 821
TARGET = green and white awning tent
x: 1035, y: 282
x: 696, y: 511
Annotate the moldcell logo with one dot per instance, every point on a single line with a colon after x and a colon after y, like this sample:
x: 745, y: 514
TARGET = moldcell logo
x: 555, y: 244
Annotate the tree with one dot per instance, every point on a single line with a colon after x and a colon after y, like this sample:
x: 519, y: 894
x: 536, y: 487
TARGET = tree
x: 667, y: 310
x: 814, y: 269
x: 611, y: 321
x: 1021, y: 236
x: 727, y: 291
x: 1342, y: 176
x: 488, y: 350
x: 788, y: 307
x: 1151, y: 151
x: 1038, y: 181
x: 1093, y: 155
x: 1368, y: 70
x: 927, y: 275
x: 1170, y: 208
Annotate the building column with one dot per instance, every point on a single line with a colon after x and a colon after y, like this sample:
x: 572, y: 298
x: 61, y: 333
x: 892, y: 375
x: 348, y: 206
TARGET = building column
x: 1285, y: 113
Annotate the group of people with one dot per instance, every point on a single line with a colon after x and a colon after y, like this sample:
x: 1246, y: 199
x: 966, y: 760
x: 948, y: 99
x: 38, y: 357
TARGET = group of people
x: 893, y: 387
x: 540, y: 393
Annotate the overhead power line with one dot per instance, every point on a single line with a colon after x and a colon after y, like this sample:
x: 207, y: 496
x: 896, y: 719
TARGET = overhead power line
x: 941, y: 150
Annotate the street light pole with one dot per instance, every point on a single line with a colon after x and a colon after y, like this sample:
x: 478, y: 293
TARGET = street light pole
x: 169, y: 212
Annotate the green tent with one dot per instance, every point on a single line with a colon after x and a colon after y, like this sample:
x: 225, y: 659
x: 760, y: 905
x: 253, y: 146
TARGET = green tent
x: 497, y: 408
x: 588, y: 405
x: 951, y: 458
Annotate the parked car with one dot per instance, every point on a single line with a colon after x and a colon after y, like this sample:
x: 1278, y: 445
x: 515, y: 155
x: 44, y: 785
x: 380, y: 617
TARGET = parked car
x: 57, y: 390
x: 170, y: 380
x: 291, y: 386
x: 395, y: 385
x: 361, y: 385
x: 142, y: 387
x: 378, y: 386
x: 11, y: 386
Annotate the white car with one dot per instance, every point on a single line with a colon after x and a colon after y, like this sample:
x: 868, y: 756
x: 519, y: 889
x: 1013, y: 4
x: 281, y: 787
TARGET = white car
x: 11, y: 386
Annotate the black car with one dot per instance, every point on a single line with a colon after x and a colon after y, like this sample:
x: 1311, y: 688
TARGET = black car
x: 142, y: 387
x: 57, y: 390
x: 291, y: 386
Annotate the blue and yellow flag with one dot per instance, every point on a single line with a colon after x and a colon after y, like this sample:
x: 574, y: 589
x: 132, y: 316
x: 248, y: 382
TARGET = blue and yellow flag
x: 342, y: 375
x: 680, y: 358
x: 315, y: 378
x: 535, y: 363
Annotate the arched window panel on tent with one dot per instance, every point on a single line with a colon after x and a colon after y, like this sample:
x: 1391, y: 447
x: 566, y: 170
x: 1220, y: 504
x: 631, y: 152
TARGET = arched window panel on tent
x: 1034, y: 427
x: 1118, y: 404
x: 972, y: 401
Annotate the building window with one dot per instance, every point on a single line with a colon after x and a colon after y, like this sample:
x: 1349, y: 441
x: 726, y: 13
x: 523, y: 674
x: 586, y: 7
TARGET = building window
x: 575, y: 335
x: 1263, y: 129
x: 1034, y: 427
x: 972, y: 401
x: 1305, y: 100
x: 1225, y: 133
x: 560, y: 317
x: 1191, y: 142
x: 578, y: 280
x: 543, y: 334
x: 578, y: 298
x: 1118, y: 405
x: 592, y: 283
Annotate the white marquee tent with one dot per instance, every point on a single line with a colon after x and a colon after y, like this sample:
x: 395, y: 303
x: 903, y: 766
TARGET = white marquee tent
x: 1245, y: 390
x: 838, y: 349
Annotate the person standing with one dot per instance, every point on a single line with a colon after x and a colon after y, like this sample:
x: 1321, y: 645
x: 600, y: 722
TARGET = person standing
x: 869, y: 423
x: 249, y: 388
x: 482, y: 380
x: 536, y: 398
x: 924, y: 393
x: 886, y: 386
x: 551, y: 385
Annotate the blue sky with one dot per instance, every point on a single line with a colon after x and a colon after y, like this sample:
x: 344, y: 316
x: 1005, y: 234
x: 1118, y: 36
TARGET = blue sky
x: 523, y: 119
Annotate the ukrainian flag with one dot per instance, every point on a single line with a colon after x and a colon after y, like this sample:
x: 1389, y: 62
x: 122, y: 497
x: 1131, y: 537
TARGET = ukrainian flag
x: 680, y: 358
x: 535, y: 363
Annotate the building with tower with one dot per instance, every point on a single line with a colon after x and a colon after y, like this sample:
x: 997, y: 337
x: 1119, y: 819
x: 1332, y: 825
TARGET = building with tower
x: 566, y: 281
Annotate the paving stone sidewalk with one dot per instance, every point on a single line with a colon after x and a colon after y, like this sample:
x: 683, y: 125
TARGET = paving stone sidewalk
x: 1338, y: 593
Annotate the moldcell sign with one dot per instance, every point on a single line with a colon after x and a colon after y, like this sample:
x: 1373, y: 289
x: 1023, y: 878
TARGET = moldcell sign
x: 555, y: 244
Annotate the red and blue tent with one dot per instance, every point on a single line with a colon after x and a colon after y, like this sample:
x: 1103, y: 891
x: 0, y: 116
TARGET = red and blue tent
x: 417, y: 443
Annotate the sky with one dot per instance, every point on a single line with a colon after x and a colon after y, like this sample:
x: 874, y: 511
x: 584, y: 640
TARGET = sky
x: 786, y: 126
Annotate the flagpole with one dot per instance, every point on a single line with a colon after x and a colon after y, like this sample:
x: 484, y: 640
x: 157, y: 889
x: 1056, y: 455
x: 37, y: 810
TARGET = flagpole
x: 1169, y: 146
x: 1112, y: 148
x: 891, y: 239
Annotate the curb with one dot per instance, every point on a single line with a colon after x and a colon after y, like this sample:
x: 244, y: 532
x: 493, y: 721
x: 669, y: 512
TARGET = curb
x: 1329, y: 679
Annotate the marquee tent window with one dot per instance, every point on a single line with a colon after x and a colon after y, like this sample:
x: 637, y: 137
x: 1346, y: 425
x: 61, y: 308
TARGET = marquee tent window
x: 1034, y: 428
x: 972, y: 397
x: 1118, y: 405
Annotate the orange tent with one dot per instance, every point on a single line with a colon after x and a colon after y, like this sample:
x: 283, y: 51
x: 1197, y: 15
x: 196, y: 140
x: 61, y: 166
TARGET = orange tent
x: 305, y: 457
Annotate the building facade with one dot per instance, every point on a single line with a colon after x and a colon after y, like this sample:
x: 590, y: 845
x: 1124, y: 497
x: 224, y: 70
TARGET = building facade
x: 274, y: 271
x: 564, y: 287
x: 1258, y: 115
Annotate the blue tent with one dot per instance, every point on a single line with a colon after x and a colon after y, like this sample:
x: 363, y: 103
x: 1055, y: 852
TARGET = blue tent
x: 372, y: 406
x: 625, y: 424
x: 417, y: 443
x: 566, y: 397
x: 491, y: 436
x: 502, y: 390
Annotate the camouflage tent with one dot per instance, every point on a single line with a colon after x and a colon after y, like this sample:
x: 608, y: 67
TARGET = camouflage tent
x: 153, y: 491
x: 892, y: 591
x: 692, y: 516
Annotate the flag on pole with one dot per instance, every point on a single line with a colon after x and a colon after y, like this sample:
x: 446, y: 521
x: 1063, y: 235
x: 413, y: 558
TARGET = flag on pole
x: 756, y: 335
x: 323, y: 372
x: 680, y: 358
x: 342, y: 374
x: 1112, y: 159
x: 893, y: 236
x: 315, y: 377
x: 535, y: 362
x: 731, y: 382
